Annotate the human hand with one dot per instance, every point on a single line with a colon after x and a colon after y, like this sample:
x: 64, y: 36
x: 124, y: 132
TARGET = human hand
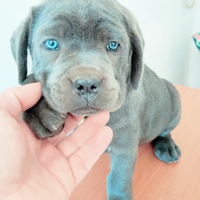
x: 45, y: 169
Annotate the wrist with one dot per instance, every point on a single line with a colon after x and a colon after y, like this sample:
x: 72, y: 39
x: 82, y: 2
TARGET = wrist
x: 36, y: 193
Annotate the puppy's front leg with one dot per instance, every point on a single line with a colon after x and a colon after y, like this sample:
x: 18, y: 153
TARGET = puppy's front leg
x: 119, y: 181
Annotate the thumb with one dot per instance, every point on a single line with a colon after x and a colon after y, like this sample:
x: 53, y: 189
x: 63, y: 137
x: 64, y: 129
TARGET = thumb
x: 18, y: 99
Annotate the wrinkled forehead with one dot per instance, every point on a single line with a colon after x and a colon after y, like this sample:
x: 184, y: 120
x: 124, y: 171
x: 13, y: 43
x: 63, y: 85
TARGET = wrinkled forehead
x: 82, y: 21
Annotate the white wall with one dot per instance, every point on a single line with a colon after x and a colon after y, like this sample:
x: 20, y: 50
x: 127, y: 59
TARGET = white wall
x: 194, y: 74
x: 12, y: 13
x: 167, y: 27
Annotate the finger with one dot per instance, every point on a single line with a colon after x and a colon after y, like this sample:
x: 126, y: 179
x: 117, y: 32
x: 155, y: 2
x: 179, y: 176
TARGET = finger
x: 71, y: 122
x: 83, y: 133
x: 82, y: 161
x: 18, y: 99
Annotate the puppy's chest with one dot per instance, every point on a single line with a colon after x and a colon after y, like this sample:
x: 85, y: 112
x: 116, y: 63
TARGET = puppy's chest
x: 125, y: 133
x: 126, y: 119
x: 123, y: 121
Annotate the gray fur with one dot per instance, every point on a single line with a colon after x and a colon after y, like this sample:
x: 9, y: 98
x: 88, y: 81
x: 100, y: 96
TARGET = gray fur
x: 143, y: 107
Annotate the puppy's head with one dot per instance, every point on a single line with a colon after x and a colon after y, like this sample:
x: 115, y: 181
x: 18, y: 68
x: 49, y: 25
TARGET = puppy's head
x: 87, y: 54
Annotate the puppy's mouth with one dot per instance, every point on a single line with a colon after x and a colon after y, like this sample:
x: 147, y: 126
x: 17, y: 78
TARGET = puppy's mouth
x: 86, y: 111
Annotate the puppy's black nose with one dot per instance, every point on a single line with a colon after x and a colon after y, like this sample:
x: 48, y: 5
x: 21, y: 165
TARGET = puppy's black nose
x: 87, y: 87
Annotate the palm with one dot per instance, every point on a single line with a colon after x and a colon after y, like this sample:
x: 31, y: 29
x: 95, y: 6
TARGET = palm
x: 29, y: 161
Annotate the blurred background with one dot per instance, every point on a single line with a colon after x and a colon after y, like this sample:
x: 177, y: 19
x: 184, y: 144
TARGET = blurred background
x: 167, y: 26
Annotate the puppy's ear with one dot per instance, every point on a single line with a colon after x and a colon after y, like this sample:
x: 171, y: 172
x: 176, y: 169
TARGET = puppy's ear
x: 137, y: 65
x: 136, y: 47
x: 19, y: 45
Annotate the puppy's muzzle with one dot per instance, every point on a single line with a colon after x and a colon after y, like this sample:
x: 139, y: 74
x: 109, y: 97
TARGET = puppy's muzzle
x: 87, y: 88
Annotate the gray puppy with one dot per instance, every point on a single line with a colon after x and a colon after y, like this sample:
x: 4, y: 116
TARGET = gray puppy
x: 88, y: 56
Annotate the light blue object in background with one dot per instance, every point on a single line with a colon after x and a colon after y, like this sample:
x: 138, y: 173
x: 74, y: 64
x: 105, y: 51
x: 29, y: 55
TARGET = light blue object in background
x: 196, y: 38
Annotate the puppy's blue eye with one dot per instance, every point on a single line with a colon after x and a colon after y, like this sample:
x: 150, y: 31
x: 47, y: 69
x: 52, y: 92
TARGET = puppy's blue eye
x: 113, y: 46
x: 51, y: 45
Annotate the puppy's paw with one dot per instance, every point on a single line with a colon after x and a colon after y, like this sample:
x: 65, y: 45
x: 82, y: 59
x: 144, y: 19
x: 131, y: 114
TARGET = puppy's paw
x: 166, y: 150
x: 44, y: 121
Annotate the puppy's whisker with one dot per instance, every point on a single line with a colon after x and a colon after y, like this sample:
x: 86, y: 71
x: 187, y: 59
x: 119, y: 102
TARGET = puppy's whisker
x: 63, y: 116
x: 73, y: 54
